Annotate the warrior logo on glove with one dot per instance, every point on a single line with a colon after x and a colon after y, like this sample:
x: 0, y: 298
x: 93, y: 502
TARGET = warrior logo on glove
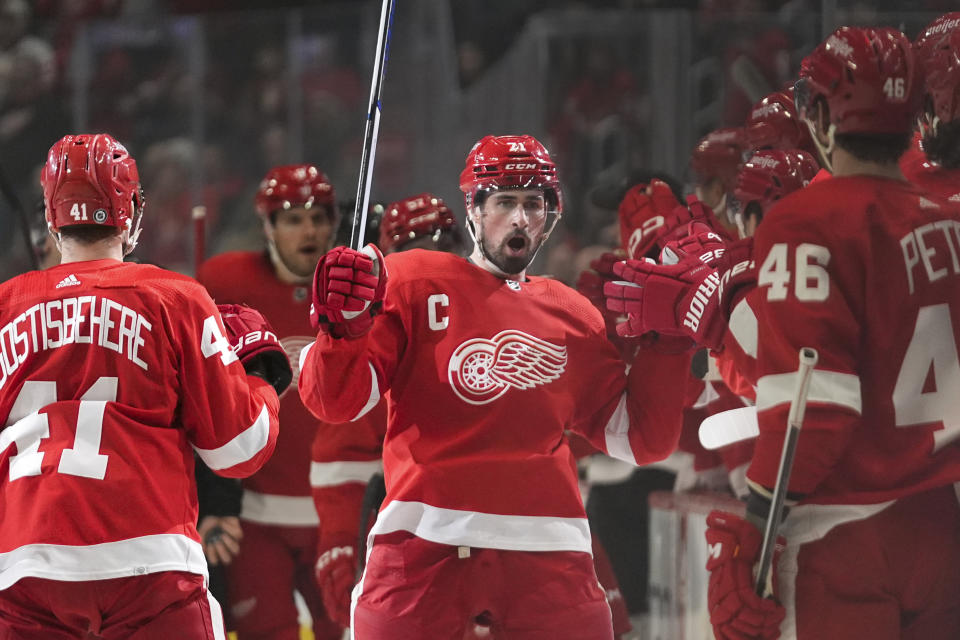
x: 480, y: 371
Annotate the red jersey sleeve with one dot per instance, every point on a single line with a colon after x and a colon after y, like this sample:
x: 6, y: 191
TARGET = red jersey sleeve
x: 342, y: 380
x: 635, y: 416
x: 230, y: 417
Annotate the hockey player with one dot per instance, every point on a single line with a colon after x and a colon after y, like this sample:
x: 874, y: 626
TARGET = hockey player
x: 934, y: 163
x: 297, y: 206
x: 860, y: 268
x: 423, y: 221
x: 111, y: 376
x: 344, y: 460
x: 483, y: 367
x: 714, y: 162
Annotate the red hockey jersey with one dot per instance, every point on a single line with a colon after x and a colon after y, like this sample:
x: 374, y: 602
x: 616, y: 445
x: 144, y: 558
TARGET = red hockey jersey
x: 867, y: 271
x: 928, y: 175
x: 482, y: 376
x: 111, y: 375
x: 280, y: 492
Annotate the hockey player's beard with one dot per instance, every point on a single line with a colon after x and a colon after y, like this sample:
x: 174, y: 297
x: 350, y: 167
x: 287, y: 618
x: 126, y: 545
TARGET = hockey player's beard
x: 514, y: 253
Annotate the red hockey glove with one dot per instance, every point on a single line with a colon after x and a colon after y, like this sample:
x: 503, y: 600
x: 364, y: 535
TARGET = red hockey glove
x: 642, y: 213
x: 736, y: 612
x: 699, y: 244
x: 684, y: 220
x: 676, y: 299
x: 256, y: 345
x: 336, y: 574
x: 348, y: 288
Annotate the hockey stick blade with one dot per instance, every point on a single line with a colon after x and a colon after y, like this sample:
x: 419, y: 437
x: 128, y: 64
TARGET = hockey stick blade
x: 728, y: 427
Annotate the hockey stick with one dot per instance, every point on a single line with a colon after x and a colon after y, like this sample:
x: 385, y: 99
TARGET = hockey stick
x: 372, y: 130
x: 798, y: 406
x: 11, y: 197
x: 728, y: 427
x: 199, y: 215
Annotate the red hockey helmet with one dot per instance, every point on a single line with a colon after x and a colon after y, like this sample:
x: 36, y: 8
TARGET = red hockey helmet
x: 773, y: 124
x: 771, y: 174
x: 295, y: 185
x: 719, y: 155
x: 938, y: 53
x: 414, y: 217
x: 518, y: 162
x: 867, y: 77
x: 91, y: 179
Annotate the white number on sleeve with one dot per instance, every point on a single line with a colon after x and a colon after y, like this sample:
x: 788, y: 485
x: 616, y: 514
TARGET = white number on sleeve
x: 932, y: 346
x: 28, y: 427
x: 812, y: 283
x: 212, y: 342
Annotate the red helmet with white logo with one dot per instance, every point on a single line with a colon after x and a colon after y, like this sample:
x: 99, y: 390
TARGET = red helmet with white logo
x: 771, y: 174
x: 718, y: 155
x: 414, y: 217
x: 773, y: 124
x: 938, y: 53
x: 518, y: 162
x: 293, y: 186
x: 91, y: 179
x: 867, y: 77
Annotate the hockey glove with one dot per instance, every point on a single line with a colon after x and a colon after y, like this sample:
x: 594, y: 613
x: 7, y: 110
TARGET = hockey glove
x: 256, y: 345
x: 736, y: 612
x: 678, y: 299
x: 336, y: 572
x: 348, y: 289
x: 642, y: 213
x: 699, y: 244
x: 684, y: 220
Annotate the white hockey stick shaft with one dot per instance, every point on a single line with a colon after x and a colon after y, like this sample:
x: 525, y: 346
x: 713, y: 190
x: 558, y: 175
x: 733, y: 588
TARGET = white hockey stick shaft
x: 372, y: 130
x: 798, y: 406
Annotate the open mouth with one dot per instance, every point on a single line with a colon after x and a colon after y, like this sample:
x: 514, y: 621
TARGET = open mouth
x: 517, y: 243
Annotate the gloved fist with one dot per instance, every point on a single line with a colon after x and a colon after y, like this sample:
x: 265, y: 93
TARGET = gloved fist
x: 700, y: 244
x: 688, y: 219
x: 348, y: 289
x: 642, y: 214
x: 679, y: 299
x: 736, y: 612
x: 591, y: 281
x: 256, y: 345
x: 336, y: 572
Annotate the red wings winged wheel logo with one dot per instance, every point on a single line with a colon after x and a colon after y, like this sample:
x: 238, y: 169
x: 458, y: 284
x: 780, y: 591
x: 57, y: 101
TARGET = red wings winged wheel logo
x: 480, y: 370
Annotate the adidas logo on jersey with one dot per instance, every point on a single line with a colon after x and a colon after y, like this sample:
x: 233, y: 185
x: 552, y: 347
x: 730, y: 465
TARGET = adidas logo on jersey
x: 69, y: 281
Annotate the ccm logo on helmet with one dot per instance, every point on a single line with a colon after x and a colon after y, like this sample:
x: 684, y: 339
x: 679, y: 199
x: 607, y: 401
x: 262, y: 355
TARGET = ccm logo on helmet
x: 519, y: 166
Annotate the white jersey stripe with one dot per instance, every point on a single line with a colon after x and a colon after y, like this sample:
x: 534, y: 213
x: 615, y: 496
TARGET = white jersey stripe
x: 242, y: 448
x: 826, y: 387
x: 331, y: 474
x: 120, y: 559
x: 484, y: 530
x: 743, y: 326
x: 616, y: 433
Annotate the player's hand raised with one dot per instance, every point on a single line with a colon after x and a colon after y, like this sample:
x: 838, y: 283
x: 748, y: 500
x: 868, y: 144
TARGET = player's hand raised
x: 348, y: 290
x: 642, y: 214
x: 736, y: 612
x: 256, y: 345
x: 678, y: 299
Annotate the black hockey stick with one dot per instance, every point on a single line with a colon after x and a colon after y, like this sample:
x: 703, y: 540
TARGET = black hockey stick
x: 798, y: 406
x: 373, y: 127
x: 11, y: 197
